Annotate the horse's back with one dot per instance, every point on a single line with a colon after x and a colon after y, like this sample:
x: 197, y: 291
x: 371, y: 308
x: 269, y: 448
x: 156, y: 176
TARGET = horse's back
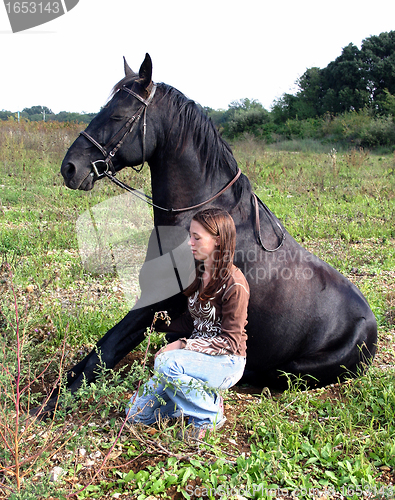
x: 304, y: 316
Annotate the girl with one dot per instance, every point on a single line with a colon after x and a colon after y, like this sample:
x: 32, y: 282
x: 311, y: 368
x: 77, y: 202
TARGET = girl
x: 211, y: 355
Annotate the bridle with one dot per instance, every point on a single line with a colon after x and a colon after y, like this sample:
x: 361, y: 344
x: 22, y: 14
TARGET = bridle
x: 110, y: 172
x: 109, y: 169
x: 121, y: 135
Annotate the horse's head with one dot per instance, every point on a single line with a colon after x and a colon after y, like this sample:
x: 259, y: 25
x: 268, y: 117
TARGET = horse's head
x: 117, y: 136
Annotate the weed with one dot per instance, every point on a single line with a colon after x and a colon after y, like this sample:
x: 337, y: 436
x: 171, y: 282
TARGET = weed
x: 336, y: 439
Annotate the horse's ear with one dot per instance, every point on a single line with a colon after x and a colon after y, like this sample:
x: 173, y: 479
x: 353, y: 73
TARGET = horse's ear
x: 145, y: 72
x: 128, y: 69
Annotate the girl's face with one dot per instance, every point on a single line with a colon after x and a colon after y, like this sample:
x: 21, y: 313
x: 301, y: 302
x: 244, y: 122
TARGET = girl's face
x: 202, y: 243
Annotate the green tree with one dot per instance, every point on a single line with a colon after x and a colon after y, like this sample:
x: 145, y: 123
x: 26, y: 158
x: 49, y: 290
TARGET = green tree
x: 355, y: 80
x: 386, y: 103
x: 4, y: 115
x: 378, y: 63
x: 37, y: 110
x: 65, y: 116
x: 285, y: 108
x: 218, y: 116
x: 310, y: 94
x: 245, y: 116
x: 344, y: 86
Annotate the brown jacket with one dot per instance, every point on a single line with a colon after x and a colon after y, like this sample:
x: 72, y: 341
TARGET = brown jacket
x: 217, y: 326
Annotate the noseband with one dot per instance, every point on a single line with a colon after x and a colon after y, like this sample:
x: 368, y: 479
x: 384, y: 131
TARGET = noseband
x: 120, y: 136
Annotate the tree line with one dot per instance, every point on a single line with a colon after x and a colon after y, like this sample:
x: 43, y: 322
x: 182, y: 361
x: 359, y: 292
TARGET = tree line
x: 42, y: 113
x: 352, y: 100
x: 357, y: 79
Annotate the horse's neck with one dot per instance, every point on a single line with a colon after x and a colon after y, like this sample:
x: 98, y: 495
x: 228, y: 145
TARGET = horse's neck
x: 191, y: 165
x: 182, y: 181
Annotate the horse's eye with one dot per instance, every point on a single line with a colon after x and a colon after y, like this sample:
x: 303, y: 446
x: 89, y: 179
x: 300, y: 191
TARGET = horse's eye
x: 117, y: 117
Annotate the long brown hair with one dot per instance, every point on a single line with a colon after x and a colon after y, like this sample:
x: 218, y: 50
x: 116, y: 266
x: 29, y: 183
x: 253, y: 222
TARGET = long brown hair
x: 218, y: 223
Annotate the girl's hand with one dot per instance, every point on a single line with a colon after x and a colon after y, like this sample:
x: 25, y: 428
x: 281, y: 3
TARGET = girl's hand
x: 170, y: 347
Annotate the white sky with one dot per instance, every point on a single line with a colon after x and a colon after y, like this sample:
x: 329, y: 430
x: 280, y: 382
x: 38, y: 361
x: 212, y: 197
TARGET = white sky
x: 214, y: 51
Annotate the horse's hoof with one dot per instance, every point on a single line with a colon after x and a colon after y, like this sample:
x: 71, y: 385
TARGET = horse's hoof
x: 43, y: 412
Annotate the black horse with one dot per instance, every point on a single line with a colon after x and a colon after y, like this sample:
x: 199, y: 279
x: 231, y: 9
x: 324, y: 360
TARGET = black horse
x: 305, y: 318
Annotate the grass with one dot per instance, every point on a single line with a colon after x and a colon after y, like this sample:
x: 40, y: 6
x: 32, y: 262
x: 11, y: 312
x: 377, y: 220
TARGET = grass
x: 338, y: 440
x: 323, y: 442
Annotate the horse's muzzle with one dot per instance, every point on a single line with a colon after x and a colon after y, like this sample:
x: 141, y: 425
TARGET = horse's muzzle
x: 74, y: 180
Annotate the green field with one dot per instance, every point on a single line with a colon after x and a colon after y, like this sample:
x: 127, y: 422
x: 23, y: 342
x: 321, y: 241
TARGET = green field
x: 329, y: 442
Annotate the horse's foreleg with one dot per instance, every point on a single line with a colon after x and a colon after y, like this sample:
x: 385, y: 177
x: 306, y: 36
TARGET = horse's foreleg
x: 110, y: 349
x: 115, y: 345
x: 120, y: 340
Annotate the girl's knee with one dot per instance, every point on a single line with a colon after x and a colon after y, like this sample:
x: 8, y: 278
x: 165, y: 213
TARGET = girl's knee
x: 166, y: 364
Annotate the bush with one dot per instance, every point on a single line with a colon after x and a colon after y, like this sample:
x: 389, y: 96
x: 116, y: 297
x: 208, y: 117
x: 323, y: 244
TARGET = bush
x: 378, y: 132
x: 251, y: 121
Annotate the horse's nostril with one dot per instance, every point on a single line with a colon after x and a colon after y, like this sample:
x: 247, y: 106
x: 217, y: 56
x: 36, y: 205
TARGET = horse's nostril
x: 68, y: 171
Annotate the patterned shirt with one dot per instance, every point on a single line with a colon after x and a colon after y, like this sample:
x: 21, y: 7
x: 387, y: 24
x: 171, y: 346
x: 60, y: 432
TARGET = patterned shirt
x: 217, y: 325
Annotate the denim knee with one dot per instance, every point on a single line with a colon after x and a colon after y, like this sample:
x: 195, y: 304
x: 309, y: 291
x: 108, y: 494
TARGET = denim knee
x: 166, y: 365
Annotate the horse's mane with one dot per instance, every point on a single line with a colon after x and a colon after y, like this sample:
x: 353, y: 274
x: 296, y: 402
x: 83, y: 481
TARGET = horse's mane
x: 193, y: 123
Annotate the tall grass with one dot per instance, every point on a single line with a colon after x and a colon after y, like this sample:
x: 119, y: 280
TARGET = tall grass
x: 325, y: 195
x: 339, y: 204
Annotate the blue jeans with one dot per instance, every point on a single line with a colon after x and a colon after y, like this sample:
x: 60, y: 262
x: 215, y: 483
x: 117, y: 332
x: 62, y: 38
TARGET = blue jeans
x: 186, y: 382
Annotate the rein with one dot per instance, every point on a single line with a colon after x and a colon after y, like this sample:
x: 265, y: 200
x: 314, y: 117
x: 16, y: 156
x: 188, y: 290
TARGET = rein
x: 110, y: 172
x: 256, y: 200
x: 146, y: 198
